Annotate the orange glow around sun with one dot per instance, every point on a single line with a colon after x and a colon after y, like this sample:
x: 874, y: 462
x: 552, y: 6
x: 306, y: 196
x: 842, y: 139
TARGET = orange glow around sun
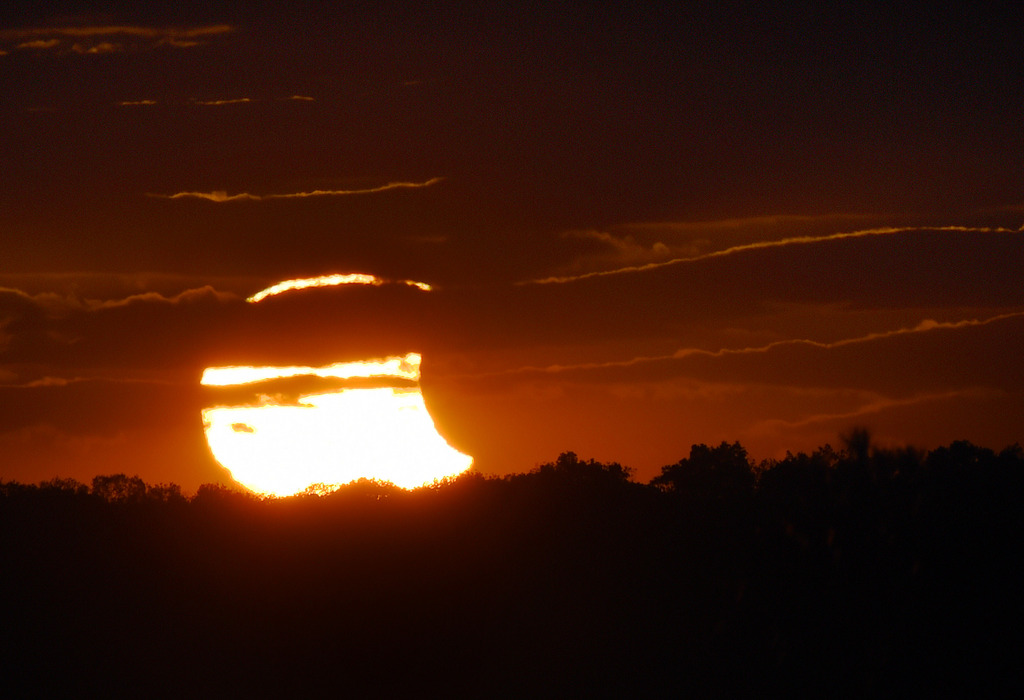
x: 376, y: 425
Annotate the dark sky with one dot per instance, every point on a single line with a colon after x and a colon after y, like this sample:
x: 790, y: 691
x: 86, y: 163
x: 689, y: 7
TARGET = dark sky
x: 646, y: 225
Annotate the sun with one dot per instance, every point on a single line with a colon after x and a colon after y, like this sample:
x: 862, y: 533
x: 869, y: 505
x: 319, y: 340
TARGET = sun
x: 371, y: 422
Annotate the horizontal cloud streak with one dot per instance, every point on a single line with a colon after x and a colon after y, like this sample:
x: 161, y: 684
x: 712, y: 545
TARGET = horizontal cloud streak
x: 114, y: 29
x: 215, y: 103
x: 95, y: 49
x: 99, y: 39
x: 745, y: 222
x: 221, y: 196
x: 39, y: 44
x: 760, y: 245
x: 28, y: 33
x: 874, y: 407
x: 56, y: 305
x: 922, y: 327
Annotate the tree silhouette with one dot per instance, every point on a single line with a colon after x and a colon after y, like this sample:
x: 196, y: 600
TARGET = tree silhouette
x: 858, y: 444
x: 709, y: 472
x: 165, y: 493
x: 118, y: 488
x: 811, y: 579
x: 569, y: 466
x: 66, y: 486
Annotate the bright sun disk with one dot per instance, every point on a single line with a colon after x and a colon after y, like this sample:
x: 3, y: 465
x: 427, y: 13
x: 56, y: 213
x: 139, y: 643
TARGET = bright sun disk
x: 281, y: 447
x: 381, y: 432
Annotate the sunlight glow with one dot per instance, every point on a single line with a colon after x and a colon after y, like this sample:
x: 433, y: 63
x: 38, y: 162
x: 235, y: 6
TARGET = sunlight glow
x: 327, y: 281
x: 331, y: 438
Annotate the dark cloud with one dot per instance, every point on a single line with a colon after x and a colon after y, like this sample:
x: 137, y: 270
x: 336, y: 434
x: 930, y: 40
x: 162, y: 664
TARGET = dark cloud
x: 66, y: 335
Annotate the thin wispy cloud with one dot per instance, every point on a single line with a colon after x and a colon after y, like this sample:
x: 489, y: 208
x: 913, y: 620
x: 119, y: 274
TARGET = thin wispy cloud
x: 105, y: 285
x: 761, y: 245
x: 218, y: 102
x: 624, y: 249
x: 745, y: 222
x: 640, y: 243
x: 221, y: 196
x: 39, y: 44
x: 924, y: 326
x: 188, y: 296
x: 59, y: 305
x: 117, y: 29
x: 111, y: 38
x: 873, y: 407
x: 215, y: 103
x: 95, y: 49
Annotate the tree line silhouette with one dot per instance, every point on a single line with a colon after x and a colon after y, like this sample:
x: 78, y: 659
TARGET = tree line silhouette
x: 850, y: 572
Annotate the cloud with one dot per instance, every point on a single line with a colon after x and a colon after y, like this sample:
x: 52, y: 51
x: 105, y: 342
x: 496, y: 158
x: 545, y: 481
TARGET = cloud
x: 161, y: 33
x: 924, y: 326
x: 151, y: 334
x: 102, y: 47
x: 215, y: 103
x: 761, y: 245
x: 56, y: 305
x: 329, y: 281
x: 638, y: 243
x: 221, y: 196
x: 15, y: 303
x: 744, y: 223
x: 610, y: 248
x: 65, y: 335
x: 39, y: 44
x: 50, y: 381
x: 188, y: 296
x: 873, y: 407
x: 99, y: 39
x: 104, y: 285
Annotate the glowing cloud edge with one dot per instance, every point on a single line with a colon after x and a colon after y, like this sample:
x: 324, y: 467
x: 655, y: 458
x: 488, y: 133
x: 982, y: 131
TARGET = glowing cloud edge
x: 328, y: 281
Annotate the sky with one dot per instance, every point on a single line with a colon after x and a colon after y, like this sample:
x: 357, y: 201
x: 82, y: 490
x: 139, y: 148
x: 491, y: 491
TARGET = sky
x: 645, y: 226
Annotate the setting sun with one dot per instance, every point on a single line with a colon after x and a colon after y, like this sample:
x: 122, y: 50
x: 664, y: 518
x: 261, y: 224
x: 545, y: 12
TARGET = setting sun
x: 369, y: 420
x: 280, y: 447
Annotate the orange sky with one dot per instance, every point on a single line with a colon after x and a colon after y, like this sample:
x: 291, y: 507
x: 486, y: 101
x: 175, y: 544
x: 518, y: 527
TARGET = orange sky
x: 644, y: 229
